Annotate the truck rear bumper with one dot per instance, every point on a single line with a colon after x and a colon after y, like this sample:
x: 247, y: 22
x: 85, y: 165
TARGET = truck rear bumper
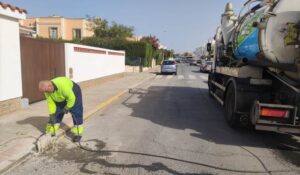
x: 278, y: 128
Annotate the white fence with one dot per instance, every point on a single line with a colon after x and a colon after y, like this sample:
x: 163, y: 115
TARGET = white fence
x: 10, y: 62
x: 86, y: 63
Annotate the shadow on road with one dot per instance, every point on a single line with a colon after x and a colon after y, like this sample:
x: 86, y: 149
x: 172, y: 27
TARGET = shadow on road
x: 191, y: 108
x: 38, y: 122
x: 154, y: 167
x: 196, y: 71
x: 156, y: 73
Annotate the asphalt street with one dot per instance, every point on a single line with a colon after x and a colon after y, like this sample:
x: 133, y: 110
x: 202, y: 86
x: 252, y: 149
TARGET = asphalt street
x: 168, y: 125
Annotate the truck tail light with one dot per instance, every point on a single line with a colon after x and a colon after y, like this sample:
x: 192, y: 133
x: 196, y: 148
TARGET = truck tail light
x: 276, y: 113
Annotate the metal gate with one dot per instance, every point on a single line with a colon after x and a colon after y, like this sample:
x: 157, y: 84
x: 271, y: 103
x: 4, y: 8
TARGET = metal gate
x: 41, y: 60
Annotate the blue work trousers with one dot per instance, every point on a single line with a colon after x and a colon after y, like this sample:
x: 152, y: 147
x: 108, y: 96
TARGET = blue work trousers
x: 76, y: 110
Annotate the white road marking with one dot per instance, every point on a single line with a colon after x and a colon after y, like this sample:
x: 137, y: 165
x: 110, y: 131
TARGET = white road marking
x: 203, y: 77
x: 180, y: 77
x: 169, y: 77
x: 158, y: 77
x: 192, y: 77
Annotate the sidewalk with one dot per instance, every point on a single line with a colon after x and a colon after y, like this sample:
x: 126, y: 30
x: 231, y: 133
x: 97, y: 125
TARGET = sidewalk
x: 19, y: 130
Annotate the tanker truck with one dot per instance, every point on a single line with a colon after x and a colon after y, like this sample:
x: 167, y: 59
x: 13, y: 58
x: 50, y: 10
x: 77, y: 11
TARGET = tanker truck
x: 256, y: 65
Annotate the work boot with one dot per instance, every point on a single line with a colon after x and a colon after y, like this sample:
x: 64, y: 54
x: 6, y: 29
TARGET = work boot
x: 76, y: 138
x: 77, y: 132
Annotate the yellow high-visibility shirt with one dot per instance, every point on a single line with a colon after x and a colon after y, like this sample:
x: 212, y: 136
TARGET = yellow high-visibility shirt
x: 63, y: 91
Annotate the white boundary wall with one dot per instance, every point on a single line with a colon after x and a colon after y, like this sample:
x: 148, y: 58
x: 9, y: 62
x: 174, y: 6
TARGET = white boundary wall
x: 86, y: 63
x: 10, y: 59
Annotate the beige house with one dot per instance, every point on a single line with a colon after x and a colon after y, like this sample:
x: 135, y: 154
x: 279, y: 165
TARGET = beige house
x: 57, y: 27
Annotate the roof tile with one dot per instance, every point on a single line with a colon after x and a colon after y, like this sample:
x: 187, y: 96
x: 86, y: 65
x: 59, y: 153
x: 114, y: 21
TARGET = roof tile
x: 13, y: 8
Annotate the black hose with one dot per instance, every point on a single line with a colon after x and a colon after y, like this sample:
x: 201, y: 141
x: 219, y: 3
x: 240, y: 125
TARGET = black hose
x: 180, y: 160
x: 37, y: 140
x: 184, y: 161
x: 257, y: 158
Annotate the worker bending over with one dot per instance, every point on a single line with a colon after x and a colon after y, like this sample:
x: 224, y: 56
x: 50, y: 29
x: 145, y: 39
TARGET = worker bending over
x: 63, y: 96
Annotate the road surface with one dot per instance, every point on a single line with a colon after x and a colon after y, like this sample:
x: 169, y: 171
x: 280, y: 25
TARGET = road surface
x: 168, y: 125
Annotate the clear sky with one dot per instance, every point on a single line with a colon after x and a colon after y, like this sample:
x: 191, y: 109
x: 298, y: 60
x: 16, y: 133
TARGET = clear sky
x: 182, y: 25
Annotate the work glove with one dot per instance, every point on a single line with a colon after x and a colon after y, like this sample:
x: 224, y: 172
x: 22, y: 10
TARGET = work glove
x: 65, y: 110
x: 52, y: 127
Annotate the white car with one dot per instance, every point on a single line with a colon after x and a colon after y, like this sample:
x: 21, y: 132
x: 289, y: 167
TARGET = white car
x: 169, y: 66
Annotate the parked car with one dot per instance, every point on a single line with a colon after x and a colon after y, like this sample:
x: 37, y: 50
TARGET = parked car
x: 169, y: 66
x: 206, y: 66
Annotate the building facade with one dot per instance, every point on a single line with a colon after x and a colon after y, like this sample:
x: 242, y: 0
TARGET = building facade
x: 57, y: 27
x: 10, y: 59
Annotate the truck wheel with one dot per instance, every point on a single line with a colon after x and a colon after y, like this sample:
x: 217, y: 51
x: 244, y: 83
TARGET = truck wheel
x: 230, y: 107
x: 254, y: 112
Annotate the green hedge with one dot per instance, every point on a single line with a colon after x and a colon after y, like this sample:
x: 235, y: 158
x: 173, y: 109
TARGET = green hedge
x: 139, y: 50
x: 159, y: 56
x: 134, y: 50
